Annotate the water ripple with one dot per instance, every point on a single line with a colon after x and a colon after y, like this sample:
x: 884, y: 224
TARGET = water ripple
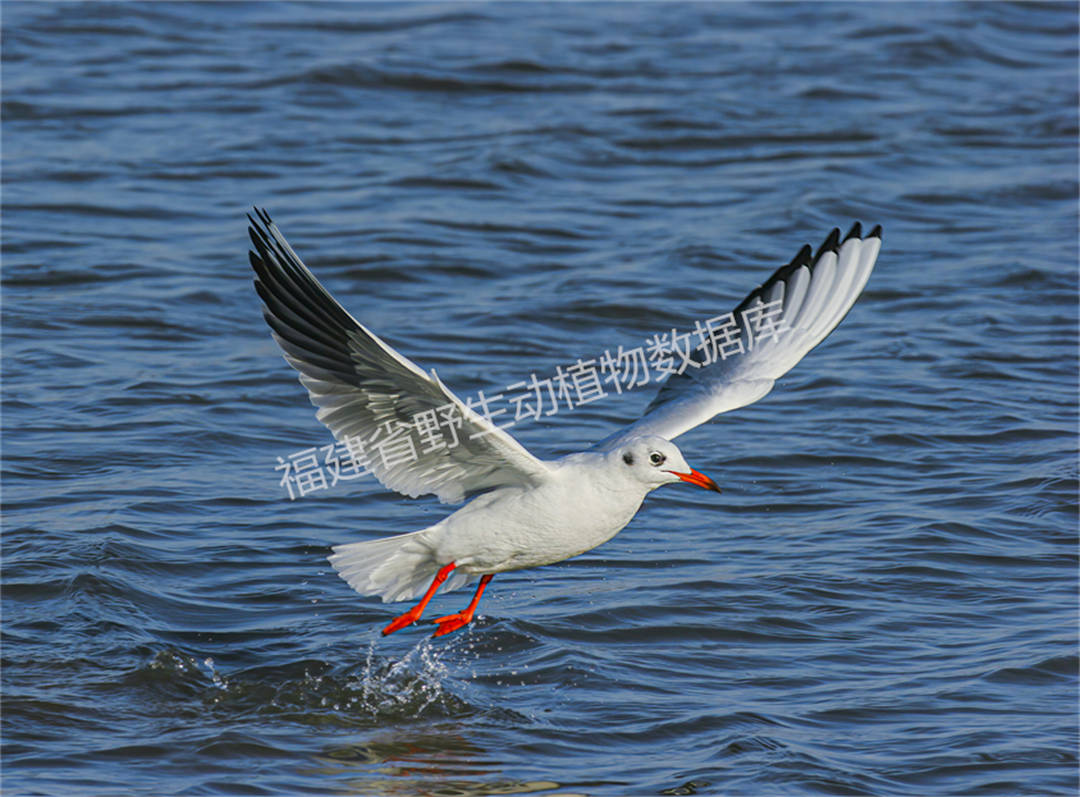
x: 883, y: 601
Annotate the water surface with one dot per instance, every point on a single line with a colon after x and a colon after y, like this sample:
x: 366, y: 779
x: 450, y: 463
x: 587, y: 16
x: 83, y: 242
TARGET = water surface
x: 883, y: 601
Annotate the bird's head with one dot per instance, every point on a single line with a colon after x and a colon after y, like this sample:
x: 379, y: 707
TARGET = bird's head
x: 655, y: 461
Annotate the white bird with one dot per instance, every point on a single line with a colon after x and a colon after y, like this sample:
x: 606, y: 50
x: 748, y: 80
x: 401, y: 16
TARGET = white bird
x: 529, y: 512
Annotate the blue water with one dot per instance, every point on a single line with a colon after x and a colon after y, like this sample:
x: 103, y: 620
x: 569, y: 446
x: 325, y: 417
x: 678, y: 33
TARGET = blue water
x: 883, y: 600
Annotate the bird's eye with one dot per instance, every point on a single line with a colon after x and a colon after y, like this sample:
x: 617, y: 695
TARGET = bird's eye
x: 628, y: 458
x: 656, y: 458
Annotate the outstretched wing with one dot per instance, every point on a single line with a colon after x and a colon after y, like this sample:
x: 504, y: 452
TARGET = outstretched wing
x: 764, y: 337
x: 367, y: 393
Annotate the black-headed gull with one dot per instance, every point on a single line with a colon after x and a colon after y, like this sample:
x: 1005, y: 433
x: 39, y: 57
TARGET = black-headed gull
x: 529, y: 512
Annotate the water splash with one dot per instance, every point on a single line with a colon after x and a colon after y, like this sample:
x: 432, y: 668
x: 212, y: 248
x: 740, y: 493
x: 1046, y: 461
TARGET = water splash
x: 419, y: 685
x: 413, y: 684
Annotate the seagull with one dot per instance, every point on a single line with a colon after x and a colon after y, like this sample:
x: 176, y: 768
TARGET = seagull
x: 524, y: 511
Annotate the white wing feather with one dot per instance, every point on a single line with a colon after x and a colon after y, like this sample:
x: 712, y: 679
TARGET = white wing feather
x: 364, y: 389
x: 800, y: 305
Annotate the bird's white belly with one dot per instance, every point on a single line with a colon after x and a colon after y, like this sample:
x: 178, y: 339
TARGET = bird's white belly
x: 512, y: 529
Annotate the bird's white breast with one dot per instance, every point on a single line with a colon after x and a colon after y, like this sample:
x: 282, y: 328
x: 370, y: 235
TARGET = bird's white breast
x: 512, y: 528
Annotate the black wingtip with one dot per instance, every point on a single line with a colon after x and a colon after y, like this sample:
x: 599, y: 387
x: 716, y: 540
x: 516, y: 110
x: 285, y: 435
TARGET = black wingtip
x: 876, y: 232
x: 800, y: 259
x: 854, y: 232
x: 258, y: 239
x: 264, y: 217
x: 831, y: 244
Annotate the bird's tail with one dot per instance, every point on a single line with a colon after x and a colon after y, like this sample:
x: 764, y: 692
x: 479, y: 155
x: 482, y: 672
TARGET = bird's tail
x: 394, y: 568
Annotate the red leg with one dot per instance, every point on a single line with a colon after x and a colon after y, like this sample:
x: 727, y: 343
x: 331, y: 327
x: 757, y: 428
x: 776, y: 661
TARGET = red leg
x: 414, y: 613
x: 452, y: 622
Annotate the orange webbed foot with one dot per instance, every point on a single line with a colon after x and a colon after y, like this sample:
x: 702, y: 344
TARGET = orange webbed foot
x: 452, y: 622
x: 404, y: 620
x: 414, y: 613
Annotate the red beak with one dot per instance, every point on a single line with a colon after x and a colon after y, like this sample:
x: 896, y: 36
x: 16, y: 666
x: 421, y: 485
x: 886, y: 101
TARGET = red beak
x: 700, y: 479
